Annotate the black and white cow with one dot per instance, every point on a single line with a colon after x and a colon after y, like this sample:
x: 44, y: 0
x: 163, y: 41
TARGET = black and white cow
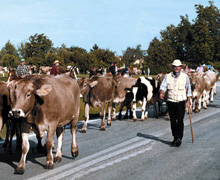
x: 142, y: 92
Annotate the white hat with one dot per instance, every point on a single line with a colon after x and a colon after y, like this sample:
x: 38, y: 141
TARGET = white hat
x: 177, y: 62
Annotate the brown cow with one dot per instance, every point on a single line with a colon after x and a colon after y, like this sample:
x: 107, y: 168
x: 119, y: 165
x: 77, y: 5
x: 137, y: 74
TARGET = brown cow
x: 96, y: 92
x: 4, y: 103
x: 45, y: 70
x: 12, y: 125
x: 120, y: 94
x: 62, y: 70
x: 200, y: 88
x: 213, y: 79
x: 203, y: 85
x: 48, y: 103
x: 95, y: 71
x: 32, y: 69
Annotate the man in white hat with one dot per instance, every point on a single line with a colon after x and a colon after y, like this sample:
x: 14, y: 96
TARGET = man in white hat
x: 54, y: 71
x: 178, y: 89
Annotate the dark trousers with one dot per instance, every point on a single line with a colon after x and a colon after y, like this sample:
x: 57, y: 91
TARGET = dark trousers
x: 177, y: 113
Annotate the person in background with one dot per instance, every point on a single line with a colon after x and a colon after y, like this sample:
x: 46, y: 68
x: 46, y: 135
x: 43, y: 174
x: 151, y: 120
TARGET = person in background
x: 22, y: 70
x: 126, y: 74
x: 199, y: 69
x: 187, y: 68
x: 54, y: 71
x: 178, y: 89
x: 113, y: 69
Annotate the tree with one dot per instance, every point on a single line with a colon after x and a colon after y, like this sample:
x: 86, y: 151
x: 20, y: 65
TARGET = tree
x: 132, y: 54
x: 160, y: 54
x: 9, y: 55
x: 9, y: 61
x: 9, y: 49
x: 37, y: 46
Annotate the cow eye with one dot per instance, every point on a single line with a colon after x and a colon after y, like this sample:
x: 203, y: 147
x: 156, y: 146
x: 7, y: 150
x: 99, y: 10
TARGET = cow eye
x: 28, y: 95
x: 84, y: 85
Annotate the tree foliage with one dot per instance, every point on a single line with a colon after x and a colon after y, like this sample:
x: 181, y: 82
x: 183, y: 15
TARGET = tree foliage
x: 192, y: 42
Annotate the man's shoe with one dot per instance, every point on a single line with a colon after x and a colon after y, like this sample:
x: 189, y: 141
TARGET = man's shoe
x: 173, y: 143
x: 178, y: 142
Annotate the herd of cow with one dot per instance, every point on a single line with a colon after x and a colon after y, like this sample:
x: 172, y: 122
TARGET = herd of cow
x: 46, y: 103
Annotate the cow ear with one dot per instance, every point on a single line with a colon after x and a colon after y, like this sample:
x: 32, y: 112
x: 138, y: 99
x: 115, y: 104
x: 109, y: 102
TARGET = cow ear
x: 10, y: 85
x: 93, y: 84
x: 44, y: 90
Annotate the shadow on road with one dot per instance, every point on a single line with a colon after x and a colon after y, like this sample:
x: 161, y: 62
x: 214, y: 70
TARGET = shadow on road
x: 154, y: 138
x: 13, y: 157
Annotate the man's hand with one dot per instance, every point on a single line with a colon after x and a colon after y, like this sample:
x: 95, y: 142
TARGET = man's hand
x: 161, y: 95
x: 188, y: 104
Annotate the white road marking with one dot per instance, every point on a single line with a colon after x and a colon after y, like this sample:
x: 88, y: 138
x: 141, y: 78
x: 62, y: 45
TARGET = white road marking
x: 90, y: 162
x: 129, y: 145
x: 103, y: 166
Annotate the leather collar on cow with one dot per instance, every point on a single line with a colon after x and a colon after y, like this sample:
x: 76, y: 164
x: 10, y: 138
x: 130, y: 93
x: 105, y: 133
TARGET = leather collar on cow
x: 86, y: 99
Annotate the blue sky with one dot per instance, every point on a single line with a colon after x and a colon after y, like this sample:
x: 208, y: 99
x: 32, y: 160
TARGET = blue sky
x: 115, y: 24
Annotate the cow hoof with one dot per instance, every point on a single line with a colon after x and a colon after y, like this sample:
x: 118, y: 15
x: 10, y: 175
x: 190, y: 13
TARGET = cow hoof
x: 49, y: 166
x: 142, y: 119
x: 57, y: 159
x: 75, y: 153
x: 102, y: 128
x: 155, y: 117
x: 109, y: 124
x: 113, y: 118
x: 135, y: 119
x: 83, y: 131
x: 167, y: 118
x: 19, y: 170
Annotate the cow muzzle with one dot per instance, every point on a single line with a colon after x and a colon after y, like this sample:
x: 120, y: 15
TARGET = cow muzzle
x: 16, y: 113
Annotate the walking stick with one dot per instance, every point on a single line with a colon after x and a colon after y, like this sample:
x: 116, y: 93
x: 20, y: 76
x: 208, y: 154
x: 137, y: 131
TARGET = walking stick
x: 191, y: 124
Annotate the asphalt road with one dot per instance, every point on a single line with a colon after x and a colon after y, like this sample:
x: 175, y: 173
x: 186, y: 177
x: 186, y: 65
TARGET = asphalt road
x: 131, y: 150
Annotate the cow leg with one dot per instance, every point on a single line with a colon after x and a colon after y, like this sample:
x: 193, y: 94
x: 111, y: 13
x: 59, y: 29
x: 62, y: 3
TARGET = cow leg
x: 143, y: 108
x: 134, y: 111
x: 84, y: 128
x: 59, y: 133
x: 49, y: 146
x: 1, y: 120
x: 205, y: 99
x: 8, y: 133
x: 109, y: 114
x: 121, y: 109
x: 146, y: 110
x: 126, y: 114
x: 214, y: 88
x: 25, y: 148
x: 40, y: 148
x: 102, y: 115
x: 18, y: 134
x: 74, y: 147
x: 129, y: 107
x: 113, y: 111
x: 212, y: 95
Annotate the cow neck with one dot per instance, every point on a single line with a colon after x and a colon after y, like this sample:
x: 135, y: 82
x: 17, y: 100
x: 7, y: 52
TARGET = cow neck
x: 89, y: 95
